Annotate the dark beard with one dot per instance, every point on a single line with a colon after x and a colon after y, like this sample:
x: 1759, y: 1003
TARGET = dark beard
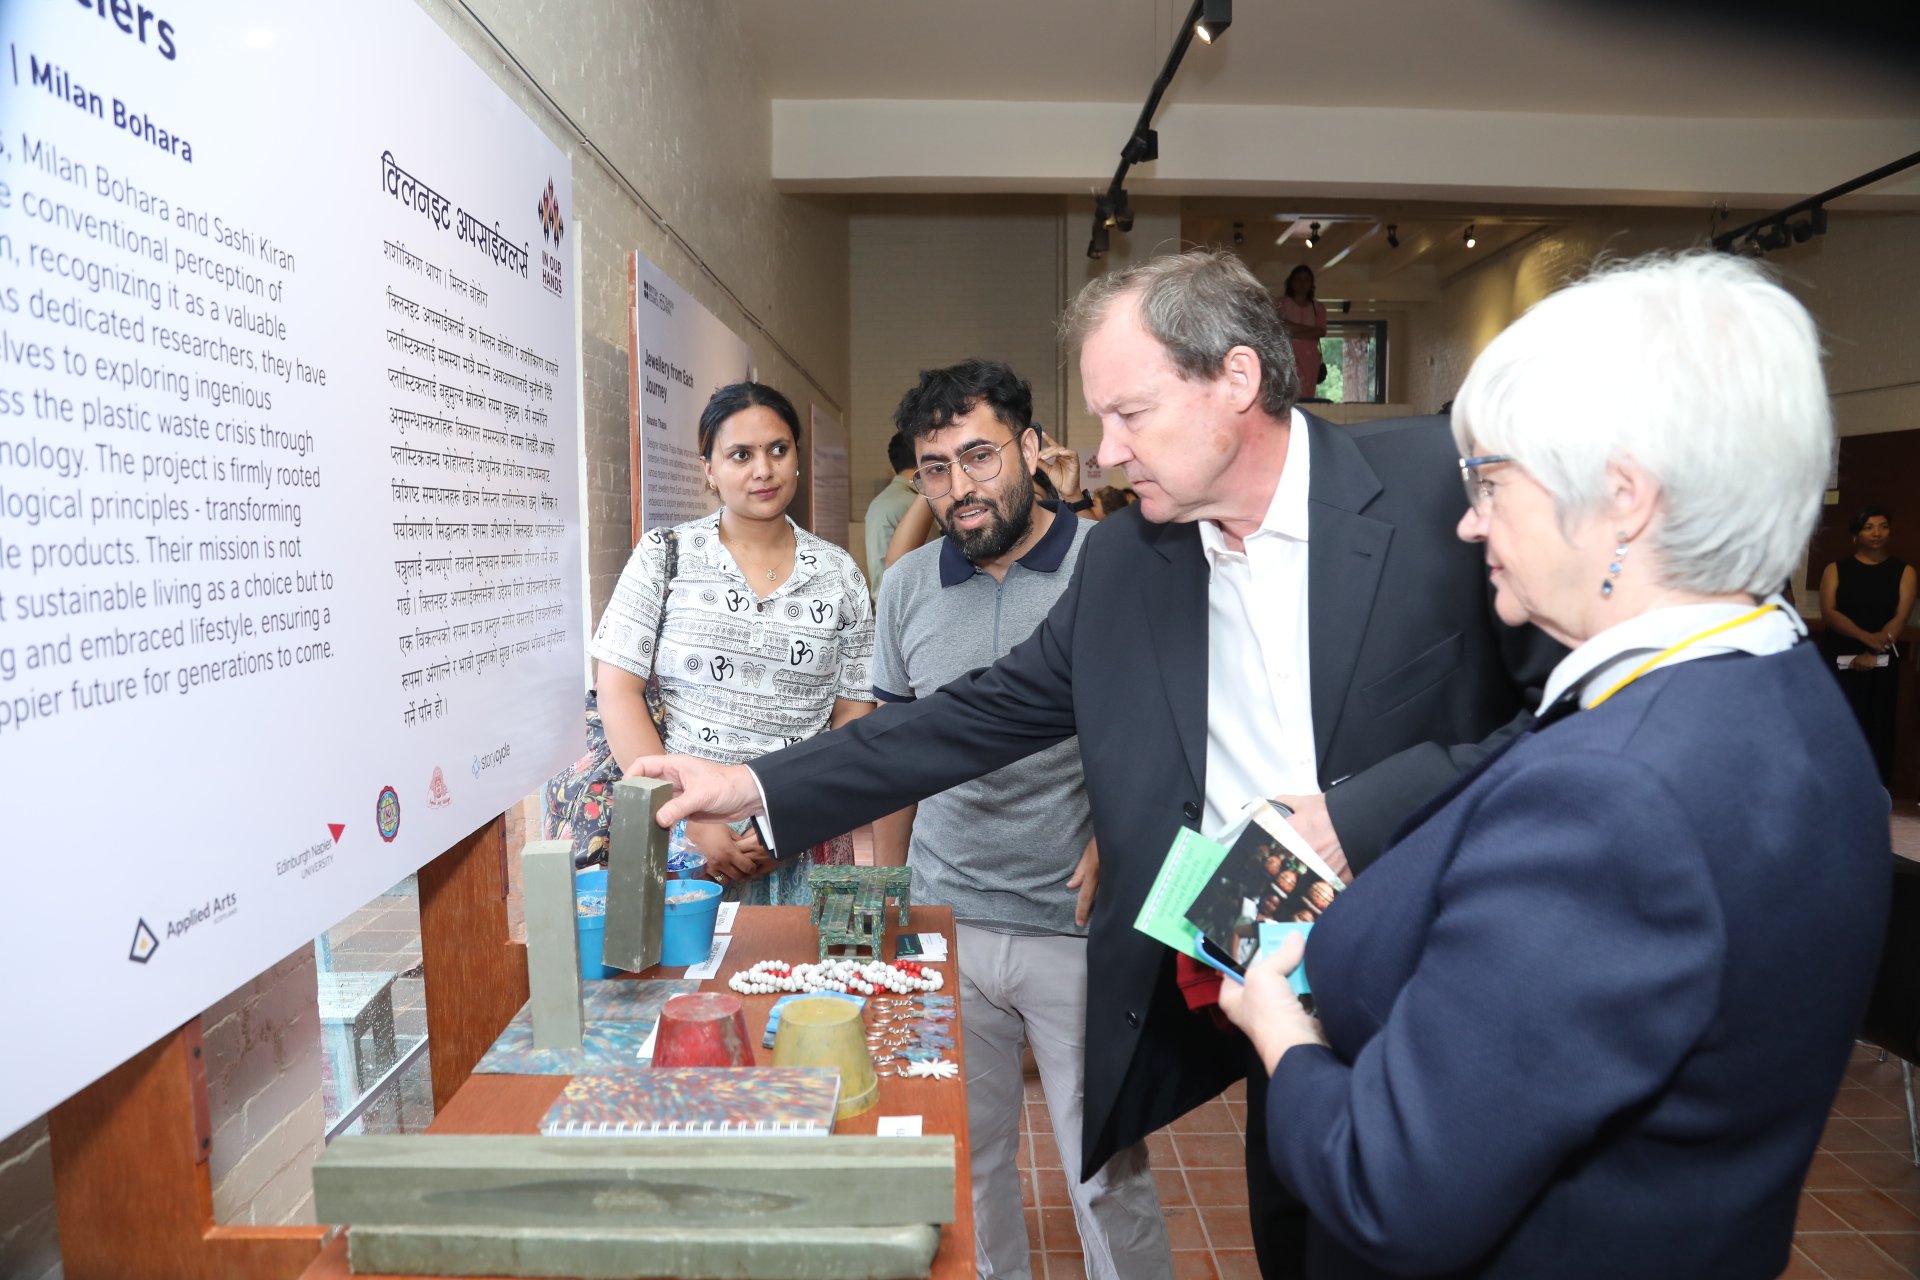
x: 997, y: 537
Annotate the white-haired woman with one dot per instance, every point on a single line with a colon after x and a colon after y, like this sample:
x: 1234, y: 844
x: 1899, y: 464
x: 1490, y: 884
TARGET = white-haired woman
x: 1587, y: 1016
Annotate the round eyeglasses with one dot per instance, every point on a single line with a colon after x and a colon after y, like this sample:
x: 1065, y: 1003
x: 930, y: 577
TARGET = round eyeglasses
x: 935, y: 480
x: 1479, y: 491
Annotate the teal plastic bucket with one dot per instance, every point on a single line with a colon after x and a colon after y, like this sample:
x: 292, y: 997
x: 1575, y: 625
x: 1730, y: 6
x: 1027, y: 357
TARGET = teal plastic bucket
x: 688, y: 933
x: 590, y: 921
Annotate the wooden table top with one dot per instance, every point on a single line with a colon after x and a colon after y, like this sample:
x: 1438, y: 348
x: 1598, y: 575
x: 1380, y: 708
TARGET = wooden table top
x: 515, y: 1104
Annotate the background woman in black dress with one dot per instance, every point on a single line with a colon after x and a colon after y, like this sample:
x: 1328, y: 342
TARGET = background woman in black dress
x: 1866, y: 600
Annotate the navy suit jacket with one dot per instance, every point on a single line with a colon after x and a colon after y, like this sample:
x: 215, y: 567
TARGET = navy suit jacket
x: 1588, y: 1017
x: 1405, y: 656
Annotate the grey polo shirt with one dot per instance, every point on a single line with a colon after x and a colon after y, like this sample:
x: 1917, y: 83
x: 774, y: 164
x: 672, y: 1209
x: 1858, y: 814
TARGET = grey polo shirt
x: 999, y: 849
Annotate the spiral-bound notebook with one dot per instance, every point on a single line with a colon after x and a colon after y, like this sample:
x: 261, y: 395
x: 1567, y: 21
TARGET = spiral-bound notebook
x: 696, y: 1102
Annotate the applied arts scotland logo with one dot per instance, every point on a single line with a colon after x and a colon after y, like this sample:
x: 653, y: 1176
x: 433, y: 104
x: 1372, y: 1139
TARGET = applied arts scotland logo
x: 144, y: 943
x: 386, y: 814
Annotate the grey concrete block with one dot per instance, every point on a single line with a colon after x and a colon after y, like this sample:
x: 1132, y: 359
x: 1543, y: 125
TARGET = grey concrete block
x: 636, y: 874
x: 553, y: 945
x: 603, y: 1253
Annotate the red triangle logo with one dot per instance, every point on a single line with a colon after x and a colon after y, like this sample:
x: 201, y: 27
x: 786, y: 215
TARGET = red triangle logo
x: 336, y: 828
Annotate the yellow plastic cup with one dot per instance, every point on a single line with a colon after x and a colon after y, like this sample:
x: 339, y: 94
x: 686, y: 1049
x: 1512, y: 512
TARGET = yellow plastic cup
x: 824, y: 1032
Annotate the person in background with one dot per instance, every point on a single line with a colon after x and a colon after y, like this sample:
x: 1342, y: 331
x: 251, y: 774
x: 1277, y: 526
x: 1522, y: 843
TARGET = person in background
x: 892, y: 502
x: 1109, y: 499
x: 1569, y: 1025
x: 1056, y: 477
x: 1865, y: 601
x: 767, y: 636
x: 1011, y: 852
x: 1306, y: 321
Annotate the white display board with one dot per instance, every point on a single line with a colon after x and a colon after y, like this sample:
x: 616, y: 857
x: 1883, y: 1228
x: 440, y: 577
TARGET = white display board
x: 827, y: 447
x: 289, y: 511
x: 682, y: 354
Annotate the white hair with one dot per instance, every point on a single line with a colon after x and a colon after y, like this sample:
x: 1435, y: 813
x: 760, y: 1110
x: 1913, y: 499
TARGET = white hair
x: 1697, y: 367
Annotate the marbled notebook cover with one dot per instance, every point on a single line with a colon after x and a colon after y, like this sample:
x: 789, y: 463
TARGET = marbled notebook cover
x: 696, y: 1102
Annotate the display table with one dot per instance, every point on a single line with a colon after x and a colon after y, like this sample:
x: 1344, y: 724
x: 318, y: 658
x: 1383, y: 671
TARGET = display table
x: 515, y: 1104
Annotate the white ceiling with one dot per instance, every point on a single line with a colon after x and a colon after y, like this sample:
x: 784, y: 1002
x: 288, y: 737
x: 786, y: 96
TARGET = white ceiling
x: 1490, y: 55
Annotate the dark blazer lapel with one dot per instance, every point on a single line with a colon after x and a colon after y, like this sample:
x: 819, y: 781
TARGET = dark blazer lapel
x: 1175, y: 588
x: 1346, y: 552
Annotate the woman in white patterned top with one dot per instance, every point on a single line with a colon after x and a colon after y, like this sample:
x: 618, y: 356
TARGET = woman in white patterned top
x: 767, y: 640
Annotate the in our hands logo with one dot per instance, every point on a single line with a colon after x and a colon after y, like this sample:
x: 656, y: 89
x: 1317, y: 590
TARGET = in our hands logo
x: 550, y: 224
x: 438, y: 796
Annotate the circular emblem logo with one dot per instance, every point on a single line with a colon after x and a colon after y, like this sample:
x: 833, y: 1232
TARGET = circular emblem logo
x: 386, y: 813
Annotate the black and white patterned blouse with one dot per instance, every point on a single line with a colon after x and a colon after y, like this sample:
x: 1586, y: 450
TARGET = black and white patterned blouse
x: 741, y: 676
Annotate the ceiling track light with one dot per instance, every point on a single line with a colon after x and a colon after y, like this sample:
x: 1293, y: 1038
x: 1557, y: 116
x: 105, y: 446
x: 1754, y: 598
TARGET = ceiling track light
x: 1468, y: 238
x: 1206, y: 19
x: 1215, y: 16
x: 1313, y: 233
x: 1744, y: 239
x: 1393, y: 235
x: 1239, y: 233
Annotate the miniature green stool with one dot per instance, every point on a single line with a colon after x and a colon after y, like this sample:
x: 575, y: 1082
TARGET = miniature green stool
x: 850, y: 905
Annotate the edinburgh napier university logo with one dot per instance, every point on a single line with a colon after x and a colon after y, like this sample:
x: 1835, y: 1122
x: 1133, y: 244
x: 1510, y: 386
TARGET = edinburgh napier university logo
x: 386, y: 814
x: 551, y: 228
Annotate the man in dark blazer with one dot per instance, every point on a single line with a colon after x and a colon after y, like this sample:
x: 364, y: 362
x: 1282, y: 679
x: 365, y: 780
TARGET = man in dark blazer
x: 1411, y: 677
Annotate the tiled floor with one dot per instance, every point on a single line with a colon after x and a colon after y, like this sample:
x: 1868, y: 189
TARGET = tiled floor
x: 1859, y: 1213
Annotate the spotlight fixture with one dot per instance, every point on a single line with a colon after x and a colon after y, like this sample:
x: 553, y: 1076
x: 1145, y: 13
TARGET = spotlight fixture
x: 1468, y: 237
x: 1215, y: 16
x: 1239, y: 233
x: 1393, y: 235
x: 1102, y: 219
x: 1313, y: 233
x: 1122, y: 211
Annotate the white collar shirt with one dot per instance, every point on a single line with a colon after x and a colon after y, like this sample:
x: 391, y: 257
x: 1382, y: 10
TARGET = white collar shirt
x: 1259, y: 701
x: 1609, y: 656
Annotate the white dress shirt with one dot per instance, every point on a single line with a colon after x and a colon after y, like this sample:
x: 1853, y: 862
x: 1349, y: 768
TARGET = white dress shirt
x: 1259, y: 704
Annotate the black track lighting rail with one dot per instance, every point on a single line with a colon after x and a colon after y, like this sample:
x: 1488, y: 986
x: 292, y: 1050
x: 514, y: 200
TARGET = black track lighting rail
x: 1143, y: 145
x: 1774, y: 231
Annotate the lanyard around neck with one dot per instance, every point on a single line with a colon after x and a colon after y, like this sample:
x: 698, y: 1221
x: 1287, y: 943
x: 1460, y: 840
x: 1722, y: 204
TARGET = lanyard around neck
x: 1668, y: 652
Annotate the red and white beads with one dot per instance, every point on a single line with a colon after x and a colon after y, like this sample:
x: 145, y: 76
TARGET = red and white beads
x: 862, y: 978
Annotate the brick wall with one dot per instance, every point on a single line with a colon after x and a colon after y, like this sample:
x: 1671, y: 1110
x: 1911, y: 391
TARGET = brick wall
x: 931, y: 283
x: 675, y: 105
x: 263, y: 1056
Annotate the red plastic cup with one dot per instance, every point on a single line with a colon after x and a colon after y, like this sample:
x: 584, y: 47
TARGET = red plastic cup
x: 706, y: 1029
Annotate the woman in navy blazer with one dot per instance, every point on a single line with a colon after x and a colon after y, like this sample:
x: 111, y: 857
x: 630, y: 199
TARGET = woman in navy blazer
x: 1587, y: 1015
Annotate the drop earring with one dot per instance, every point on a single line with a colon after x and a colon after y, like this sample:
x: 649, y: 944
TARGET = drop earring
x: 1613, y: 569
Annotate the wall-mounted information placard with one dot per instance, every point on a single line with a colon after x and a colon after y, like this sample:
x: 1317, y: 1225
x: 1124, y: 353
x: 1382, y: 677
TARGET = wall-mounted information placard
x: 829, y: 476
x: 682, y: 354
x: 289, y: 513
